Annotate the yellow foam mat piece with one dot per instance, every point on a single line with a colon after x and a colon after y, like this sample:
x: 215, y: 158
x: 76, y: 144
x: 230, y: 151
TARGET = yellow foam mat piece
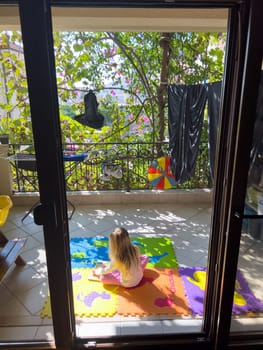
x: 91, y: 298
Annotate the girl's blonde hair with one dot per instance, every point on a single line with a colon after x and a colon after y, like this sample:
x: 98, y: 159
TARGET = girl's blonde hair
x: 121, y: 248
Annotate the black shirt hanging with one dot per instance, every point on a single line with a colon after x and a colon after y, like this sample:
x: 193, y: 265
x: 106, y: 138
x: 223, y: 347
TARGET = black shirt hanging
x: 92, y: 117
x: 186, y: 105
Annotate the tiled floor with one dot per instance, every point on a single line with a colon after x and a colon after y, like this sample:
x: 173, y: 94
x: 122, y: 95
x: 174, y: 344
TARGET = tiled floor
x: 24, y: 289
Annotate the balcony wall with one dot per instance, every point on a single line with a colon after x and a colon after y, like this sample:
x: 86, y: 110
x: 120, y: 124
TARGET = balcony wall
x: 172, y: 196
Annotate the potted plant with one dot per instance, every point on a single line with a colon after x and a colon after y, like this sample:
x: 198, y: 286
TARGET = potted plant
x: 4, y: 138
x: 4, y: 130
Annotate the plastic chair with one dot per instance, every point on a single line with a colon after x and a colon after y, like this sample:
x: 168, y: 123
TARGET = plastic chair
x: 5, y: 205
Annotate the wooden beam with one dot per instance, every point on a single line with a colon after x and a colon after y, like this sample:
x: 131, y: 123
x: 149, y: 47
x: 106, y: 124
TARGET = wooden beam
x: 132, y: 19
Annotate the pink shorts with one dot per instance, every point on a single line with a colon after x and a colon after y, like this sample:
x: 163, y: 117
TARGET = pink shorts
x: 114, y: 277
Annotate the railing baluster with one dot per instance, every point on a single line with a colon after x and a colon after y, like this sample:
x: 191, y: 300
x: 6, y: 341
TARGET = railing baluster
x: 131, y: 159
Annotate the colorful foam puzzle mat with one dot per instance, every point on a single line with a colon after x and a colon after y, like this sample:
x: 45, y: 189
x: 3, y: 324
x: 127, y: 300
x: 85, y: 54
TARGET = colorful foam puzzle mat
x: 87, y: 251
x: 165, y: 289
x: 194, y: 280
x: 160, y: 292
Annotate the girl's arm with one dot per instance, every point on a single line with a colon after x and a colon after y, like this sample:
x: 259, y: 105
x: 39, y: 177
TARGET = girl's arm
x: 108, y: 268
x: 137, y: 253
x: 102, y: 270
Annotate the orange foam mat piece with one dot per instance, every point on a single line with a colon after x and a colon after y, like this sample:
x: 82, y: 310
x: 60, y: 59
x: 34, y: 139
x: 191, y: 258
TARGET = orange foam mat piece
x: 161, y: 292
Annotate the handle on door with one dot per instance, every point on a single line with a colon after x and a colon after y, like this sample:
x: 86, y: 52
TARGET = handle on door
x: 248, y: 216
x: 45, y: 214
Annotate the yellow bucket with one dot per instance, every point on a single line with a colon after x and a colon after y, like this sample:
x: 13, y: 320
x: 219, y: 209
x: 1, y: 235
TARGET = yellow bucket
x: 5, y: 205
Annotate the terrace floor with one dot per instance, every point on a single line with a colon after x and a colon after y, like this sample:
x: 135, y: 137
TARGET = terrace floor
x: 24, y: 289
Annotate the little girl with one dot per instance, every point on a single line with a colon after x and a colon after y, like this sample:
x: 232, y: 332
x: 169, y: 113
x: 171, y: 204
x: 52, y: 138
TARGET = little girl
x: 126, y: 265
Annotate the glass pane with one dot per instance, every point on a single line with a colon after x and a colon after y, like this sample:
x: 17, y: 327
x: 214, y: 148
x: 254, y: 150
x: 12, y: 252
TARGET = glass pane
x: 248, y: 299
x: 123, y: 67
x: 23, y: 282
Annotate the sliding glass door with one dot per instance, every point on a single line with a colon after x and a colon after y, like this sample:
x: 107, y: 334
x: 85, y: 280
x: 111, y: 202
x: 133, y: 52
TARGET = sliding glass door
x: 52, y: 210
x: 216, y: 278
x: 24, y: 282
x: 240, y: 299
x: 248, y: 289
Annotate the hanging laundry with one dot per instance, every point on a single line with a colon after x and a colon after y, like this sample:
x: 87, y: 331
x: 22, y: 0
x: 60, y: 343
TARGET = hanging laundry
x: 186, y: 104
x: 110, y: 169
x: 92, y: 117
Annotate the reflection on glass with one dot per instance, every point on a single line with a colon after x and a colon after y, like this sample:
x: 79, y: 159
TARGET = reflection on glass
x: 248, y: 299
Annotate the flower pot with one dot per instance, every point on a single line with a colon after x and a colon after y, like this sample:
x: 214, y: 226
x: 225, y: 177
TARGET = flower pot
x: 4, y: 139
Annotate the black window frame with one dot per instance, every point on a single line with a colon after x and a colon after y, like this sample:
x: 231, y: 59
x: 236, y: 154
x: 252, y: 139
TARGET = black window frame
x: 36, y: 24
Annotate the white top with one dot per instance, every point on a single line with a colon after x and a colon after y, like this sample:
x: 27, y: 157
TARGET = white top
x: 130, y: 279
x: 133, y: 278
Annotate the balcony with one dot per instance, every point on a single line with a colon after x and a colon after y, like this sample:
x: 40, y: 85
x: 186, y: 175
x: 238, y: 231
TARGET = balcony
x: 105, y: 167
x: 25, y: 289
x: 183, y: 214
x: 187, y: 224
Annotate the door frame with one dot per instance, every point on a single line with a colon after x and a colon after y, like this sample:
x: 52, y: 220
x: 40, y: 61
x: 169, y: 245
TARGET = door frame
x: 231, y: 92
x: 36, y: 24
x: 238, y: 162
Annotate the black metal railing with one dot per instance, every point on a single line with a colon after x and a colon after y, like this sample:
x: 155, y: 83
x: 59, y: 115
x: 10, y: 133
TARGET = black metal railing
x: 104, y: 166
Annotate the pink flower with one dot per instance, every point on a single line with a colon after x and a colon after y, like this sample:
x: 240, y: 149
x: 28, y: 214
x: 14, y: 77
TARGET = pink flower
x: 145, y: 118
